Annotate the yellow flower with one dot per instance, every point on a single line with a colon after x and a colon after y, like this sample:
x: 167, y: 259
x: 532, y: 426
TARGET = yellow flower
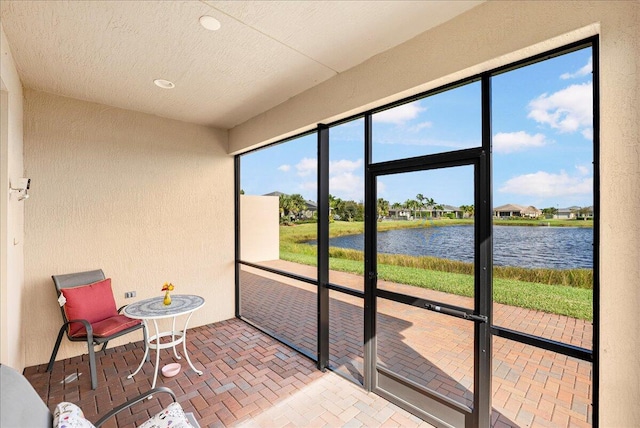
x: 167, y: 286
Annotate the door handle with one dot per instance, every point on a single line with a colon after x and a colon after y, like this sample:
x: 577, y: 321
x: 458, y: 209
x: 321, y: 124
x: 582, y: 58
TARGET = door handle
x: 456, y: 313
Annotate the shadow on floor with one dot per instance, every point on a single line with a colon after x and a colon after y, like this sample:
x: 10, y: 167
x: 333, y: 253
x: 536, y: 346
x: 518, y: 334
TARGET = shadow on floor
x: 288, y: 312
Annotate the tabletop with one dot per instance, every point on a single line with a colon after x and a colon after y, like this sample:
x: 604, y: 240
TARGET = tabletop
x: 155, y: 308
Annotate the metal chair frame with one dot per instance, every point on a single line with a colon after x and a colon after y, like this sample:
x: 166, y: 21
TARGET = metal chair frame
x: 75, y: 280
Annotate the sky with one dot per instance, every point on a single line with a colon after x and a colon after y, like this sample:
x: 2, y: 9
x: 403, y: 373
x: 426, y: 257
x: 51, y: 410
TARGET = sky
x: 542, y: 143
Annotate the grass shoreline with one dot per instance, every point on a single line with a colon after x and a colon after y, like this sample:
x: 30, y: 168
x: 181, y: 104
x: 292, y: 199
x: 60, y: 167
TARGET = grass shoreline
x: 562, y: 292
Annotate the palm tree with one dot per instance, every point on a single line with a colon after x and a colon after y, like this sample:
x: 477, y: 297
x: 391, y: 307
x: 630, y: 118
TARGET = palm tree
x: 283, y: 202
x: 438, y: 207
x: 383, y: 208
x: 584, y: 212
x: 429, y: 202
x: 291, y: 205
x: 411, y: 205
x: 468, y: 210
x: 351, y: 210
x: 397, y: 206
x: 298, y: 204
x: 421, y: 202
x: 333, y: 206
x: 549, y: 212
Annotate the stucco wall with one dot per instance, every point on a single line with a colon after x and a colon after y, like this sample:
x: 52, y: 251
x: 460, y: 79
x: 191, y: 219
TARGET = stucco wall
x: 497, y: 33
x: 146, y: 199
x: 11, y: 213
x: 259, y: 226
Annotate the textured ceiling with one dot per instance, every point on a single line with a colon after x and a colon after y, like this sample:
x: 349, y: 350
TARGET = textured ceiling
x: 110, y: 52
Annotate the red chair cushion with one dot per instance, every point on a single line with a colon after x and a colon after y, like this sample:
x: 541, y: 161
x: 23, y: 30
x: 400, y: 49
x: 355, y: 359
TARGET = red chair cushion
x: 91, y: 302
x: 108, y: 327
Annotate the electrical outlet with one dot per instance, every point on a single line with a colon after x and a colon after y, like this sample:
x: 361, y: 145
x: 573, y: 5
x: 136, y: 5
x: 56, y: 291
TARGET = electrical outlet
x: 129, y: 294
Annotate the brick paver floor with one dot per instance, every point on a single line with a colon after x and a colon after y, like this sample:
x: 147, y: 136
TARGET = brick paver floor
x: 249, y: 380
x: 531, y: 387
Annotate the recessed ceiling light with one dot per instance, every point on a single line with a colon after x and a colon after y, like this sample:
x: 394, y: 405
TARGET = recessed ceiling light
x: 164, y: 84
x: 209, y: 22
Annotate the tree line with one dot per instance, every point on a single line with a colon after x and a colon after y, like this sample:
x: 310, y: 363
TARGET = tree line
x: 291, y: 207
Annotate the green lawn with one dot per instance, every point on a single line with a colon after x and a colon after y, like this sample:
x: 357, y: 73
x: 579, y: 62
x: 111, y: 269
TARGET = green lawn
x: 538, y: 291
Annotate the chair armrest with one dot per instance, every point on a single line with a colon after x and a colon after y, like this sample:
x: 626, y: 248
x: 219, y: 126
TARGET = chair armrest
x: 133, y: 401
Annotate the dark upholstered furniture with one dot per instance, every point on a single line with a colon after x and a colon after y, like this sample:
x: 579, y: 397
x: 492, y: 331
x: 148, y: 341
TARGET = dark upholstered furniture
x: 94, y: 318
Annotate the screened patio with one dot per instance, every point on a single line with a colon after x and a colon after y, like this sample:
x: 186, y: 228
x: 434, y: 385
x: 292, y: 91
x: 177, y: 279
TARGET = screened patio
x: 141, y: 181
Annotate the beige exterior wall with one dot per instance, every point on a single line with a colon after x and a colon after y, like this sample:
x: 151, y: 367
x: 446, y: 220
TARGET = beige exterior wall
x: 259, y: 228
x: 11, y: 212
x: 497, y: 33
x: 146, y: 199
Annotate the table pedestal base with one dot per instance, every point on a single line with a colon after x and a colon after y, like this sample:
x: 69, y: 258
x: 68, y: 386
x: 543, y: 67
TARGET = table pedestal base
x: 153, y: 342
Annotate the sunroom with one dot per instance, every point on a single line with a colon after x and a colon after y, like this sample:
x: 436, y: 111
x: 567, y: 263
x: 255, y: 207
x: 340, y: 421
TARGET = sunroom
x: 329, y: 100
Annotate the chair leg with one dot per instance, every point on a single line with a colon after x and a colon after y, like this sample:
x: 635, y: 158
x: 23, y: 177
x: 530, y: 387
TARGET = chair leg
x: 104, y: 345
x: 92, y: 365
x: 55, y: 348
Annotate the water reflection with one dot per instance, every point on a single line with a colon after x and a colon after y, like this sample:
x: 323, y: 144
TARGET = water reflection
x: 523, y: 246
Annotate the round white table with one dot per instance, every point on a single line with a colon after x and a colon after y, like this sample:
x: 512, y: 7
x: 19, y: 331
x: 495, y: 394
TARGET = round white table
x: 154, y: 309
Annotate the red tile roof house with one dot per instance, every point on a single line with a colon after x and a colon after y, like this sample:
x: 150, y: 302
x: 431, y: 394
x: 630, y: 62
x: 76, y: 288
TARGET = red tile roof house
x: 139, y: 180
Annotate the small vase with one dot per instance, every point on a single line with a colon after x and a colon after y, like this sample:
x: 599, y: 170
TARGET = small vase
x: 167, y: 299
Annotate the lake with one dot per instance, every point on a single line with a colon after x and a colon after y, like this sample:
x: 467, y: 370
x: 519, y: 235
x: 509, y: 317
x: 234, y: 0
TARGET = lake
x: 529, y: 247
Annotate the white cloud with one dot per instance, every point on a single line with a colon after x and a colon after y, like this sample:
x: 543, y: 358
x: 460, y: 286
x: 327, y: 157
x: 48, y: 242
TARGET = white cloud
x: 568, y: 110
x: 344, y: 165
x: 347, y: 185
x: 585, y: 70
x: 284, y: 168
x: 584, y: 169
x: 544, y: 184
x: 399, y: 115
x: 508, y: 142
x: 420, y: 126
x: 343, y: 183
x: 308, y: 185
x: 381, y: 188
x: 587, y: 133
x: 307, y: 166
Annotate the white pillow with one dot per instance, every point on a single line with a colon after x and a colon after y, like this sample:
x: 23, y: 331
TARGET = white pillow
x: 172, y: 416
x: 68, y: 415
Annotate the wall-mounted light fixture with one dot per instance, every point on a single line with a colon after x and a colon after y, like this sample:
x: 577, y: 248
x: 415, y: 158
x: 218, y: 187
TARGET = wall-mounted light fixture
x: 21, y: 186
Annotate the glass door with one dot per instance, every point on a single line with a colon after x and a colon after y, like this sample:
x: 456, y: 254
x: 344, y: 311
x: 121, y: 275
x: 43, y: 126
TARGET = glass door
x: 429, y: 350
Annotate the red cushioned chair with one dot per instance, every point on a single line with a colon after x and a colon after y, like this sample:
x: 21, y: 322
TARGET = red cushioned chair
x: 89, y: 314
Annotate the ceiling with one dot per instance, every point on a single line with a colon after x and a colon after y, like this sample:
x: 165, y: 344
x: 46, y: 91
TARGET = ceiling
x: 110, y: 52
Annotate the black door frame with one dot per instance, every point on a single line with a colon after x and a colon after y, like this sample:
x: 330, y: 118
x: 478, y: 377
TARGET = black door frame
x: 429, y: 405
x: 483, y: 233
